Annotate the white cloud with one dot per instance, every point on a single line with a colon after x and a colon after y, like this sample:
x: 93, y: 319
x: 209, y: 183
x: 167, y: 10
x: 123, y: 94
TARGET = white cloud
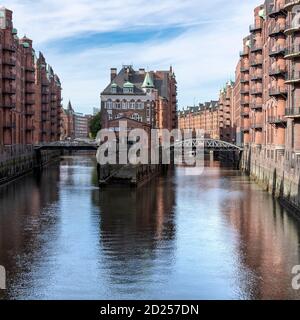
x: 203, y: 57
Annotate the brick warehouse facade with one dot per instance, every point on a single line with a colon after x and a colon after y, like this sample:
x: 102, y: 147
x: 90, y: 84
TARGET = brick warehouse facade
x: 30, y: 92
x: 149, y: 98
x: 265, y: 103
x: 216, y: 118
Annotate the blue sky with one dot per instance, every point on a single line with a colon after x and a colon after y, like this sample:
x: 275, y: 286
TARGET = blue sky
x: 83, y: 39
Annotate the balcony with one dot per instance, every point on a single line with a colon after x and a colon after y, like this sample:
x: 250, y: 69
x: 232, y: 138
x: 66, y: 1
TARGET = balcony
x: 278, y: 91
x: 276, y: 10
x: 292, y: 28
x: 277, y: 71
x: 256, y: 27
x: 244, y: 53
x: 9, y: 75
x: 30, y: 89
x: 9, y: 125
x: 9, y: 48
x: 29, y: 69
x: 276, y: 30
x: 30, y: 77
x: 256, y: 106
x: 30, y: 101
x: 276, y: 120
x: 256, y: 91
x: 245, y: 114
x: 293, y: 77
x: 256, y: 77
x: 292, y: 112
x: 244, y: 102
x: 277, y: 51
x: 29, y: 113
x: 244, y: 79
x: 257, y: 125
x: 256, y: 62
x: 244, y: 91
x: 292, y: 52
x: 9, y: 61
x: 9, y: 90
x: 245, y: 69
x: 290, y: 3
x: 256, y: 47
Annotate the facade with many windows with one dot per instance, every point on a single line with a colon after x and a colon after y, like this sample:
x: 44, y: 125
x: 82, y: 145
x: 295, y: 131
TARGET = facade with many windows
x: 145, y: 97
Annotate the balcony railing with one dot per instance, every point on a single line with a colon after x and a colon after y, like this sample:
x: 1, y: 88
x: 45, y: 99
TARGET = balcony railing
x: 9, y: 90
x: 30, y: 77
x: 9, y: 48
x: 30, y: 101
x: 8, y: 75
x: 293, y: 77
x: 256, y: 62
x: 256, y: 106
x: 256, y: 47
x: 256, y: 91
x: 256, y: 27
x: 244, y: 53
x: 256, y: 124
x: 277, y: 119
x: 256, y: 77
x: 244, y: 102
x: 9, y: 61
x: 277, y: 91
x: 290, y: 3
x: 292, y: 28
x: 245, y: 68
x: 275, y: 10
x: 244, y: 79
x: 292, y: 51
x: 292, y: 112
x: 277, y: 29
x: 277, y: 71
x: 277, y: 50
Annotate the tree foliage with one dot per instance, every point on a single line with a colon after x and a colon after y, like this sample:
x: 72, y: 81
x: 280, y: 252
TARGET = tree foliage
x: 95, y: 125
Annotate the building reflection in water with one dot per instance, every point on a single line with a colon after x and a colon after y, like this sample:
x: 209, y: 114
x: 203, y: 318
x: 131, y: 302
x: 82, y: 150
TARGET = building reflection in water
x: 138, y: 236
x: 28, y: 210
x: 268, y: 245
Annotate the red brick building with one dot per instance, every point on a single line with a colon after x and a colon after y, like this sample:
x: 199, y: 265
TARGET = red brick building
x: 146, y: 97
x: 30, y: 92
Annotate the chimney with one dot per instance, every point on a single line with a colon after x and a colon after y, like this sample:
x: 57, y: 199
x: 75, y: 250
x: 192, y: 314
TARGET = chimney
x: 113, y: 73
x: 142, y: 71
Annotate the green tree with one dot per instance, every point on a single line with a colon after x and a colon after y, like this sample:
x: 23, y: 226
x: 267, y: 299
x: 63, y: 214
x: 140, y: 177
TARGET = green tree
x: 95, y: 125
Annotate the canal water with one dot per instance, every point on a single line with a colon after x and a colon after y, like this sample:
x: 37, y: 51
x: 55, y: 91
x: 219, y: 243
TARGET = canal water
x: 183, y: 236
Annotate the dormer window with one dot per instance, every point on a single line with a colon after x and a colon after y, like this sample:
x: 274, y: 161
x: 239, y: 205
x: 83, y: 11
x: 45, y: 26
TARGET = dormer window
x: 128, y: 88
x: 113, y: 88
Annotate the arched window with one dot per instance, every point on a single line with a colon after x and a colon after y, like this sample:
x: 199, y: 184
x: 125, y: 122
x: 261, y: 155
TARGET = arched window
x: 118, y: 104
x: 132, y: 104
x: 124, y: 104
x: 109, y: 104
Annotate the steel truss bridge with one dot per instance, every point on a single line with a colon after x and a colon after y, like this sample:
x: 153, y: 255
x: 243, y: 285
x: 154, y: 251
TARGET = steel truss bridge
x: 207, y: 144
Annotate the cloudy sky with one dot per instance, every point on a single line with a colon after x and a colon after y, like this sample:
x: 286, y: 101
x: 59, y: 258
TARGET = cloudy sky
x: 83, y: 39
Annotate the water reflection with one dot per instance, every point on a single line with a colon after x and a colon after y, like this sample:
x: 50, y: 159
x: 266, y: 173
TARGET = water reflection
x: 183, y: 236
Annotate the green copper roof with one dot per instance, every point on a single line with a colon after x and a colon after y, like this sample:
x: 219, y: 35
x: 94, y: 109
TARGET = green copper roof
x: 26, y: 45
x: 148, y: 82
x: 128, y: 85
x: 14, y: 31
x: 114, y: 85
x: 262, y: 14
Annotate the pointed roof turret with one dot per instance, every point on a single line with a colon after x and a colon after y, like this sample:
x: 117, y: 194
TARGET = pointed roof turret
x: 148, y: 82
x: 70, y: 108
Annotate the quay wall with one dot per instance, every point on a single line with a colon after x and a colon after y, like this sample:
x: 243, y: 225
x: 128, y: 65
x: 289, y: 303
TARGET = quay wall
x: 275, y: 172
x: 19, y: 161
